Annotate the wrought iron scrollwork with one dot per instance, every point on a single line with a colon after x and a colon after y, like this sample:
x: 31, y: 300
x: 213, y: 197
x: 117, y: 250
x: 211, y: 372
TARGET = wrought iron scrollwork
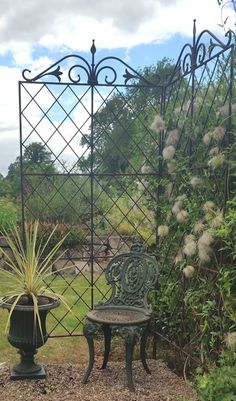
x: 203, y: 48
x: 131, y: 275
x: 78, y: 76
x: 56, y: 73
x: 107, y: 67
x: 55, y: 70
x: 191, y: 56
x: 100, y: 73
x: 131, y: 334
x: 216, y: 43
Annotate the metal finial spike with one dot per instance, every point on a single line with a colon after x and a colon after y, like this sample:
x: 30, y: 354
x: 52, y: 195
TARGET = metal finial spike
x: 194, y: 27
x: 93, y: 48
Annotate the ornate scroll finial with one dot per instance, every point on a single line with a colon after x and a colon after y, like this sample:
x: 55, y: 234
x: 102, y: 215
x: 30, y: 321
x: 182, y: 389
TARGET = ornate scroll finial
x: 93, y: 48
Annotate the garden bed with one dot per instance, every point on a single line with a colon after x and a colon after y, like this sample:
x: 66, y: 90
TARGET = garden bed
x: 63, y: 383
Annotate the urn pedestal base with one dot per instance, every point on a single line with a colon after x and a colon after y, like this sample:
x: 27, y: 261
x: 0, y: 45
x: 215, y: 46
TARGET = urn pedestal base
x: 27, y: 368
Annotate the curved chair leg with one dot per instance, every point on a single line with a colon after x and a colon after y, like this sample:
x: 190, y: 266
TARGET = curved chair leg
x: 89, y: 330
x: 143, y: 351
x: 107, y: 344
x: 130, y: 336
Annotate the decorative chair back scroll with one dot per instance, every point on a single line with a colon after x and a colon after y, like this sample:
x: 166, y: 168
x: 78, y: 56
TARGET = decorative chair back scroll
x: 131, y: 276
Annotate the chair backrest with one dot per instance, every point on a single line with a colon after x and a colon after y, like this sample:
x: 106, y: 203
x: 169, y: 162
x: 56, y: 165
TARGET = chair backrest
x: 131, y: 275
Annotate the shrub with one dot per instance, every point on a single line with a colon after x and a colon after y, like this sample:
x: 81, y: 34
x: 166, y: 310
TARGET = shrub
x: 220, y: 383
x: 75, y: 234
x: 8, y: 215
x: 130, y: 221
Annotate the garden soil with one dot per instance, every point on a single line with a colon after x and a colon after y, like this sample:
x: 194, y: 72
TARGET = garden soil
x: 63, y: 383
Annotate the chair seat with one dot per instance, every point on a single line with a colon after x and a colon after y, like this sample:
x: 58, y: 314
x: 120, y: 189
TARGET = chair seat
x: 116, y: 316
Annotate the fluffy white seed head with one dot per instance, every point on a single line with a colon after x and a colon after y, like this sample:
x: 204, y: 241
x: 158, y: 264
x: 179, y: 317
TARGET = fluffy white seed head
x: 230, y: 340
x: 188, y: 271
x: 207, y: 138
x: 171, y: 166
x: 181, y: 197
x: 179, y: 257
x: 168, y: 152
x: 204, y: 253
x: 172, y: 137
x: 189, y: 238
x: 177, y: 207
x: 158, y: 124
x: 182, y: 216
x: 196, y: 182
x: 218, y: 133
x: 190, y: 248
x: 217, y: 221
x: 168, y: 189
x: 217, y: 161
x: 214, y: 151
x: 163, y: 231
x: 208, y: 206
x: 198, y: 228
x: 206, y: 239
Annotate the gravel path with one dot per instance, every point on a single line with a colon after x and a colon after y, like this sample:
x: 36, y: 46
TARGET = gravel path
x: 63, y: 383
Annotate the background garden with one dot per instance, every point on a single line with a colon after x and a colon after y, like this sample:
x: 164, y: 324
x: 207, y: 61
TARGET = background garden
x: 163, y: 162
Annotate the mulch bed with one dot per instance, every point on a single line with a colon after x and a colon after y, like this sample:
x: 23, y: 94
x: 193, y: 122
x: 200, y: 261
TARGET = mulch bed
x: 63, y: 383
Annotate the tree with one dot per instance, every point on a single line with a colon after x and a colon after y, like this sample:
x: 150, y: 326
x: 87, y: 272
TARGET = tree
x: 35, y: 159
x: 35, y: 153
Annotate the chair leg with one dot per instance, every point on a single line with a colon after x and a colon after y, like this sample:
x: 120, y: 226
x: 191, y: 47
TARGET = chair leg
x: 129, y: 348
x: 130, y: 336
x: 107, y: 344
x: 89, y: 330
x: 143, y: 351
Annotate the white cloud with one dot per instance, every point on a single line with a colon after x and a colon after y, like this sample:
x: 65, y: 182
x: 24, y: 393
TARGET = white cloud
x: 9, y: 116
x: 123, y: 23
x: 9, y: 150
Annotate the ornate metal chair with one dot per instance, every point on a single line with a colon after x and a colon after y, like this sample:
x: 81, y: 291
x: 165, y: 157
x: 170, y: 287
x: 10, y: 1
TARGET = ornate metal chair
x: 126, y: 312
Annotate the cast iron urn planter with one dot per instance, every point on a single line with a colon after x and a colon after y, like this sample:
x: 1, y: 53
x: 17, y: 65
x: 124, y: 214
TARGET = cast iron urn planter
x: 26, y: 336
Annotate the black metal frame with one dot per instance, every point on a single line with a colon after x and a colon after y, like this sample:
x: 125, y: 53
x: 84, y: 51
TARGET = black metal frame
x: 80, y: 79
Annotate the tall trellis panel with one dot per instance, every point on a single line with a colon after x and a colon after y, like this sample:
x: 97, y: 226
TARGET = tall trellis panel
x: 105, y: 180
x: 94, y: 185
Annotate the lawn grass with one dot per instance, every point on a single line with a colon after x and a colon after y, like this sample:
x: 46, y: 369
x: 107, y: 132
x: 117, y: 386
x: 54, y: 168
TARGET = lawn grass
x: 77, y: 292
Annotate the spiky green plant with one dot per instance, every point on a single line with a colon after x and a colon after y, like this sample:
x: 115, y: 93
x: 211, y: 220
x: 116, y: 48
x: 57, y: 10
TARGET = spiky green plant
x: 30, y: 267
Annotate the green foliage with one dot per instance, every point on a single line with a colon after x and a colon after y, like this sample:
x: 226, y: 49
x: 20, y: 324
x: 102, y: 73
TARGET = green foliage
x: 64, y: 200
x: 220, y: 383
x: 36, y: 154
x: 8, y: 214
x: 72, y: 234
x: 227, y: 231
x: 130, y: 220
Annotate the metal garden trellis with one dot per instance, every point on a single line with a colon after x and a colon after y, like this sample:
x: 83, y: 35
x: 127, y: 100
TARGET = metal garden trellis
x: 59, y: 112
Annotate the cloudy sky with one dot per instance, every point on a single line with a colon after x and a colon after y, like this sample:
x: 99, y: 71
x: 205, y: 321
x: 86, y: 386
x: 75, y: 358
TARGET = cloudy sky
x: 34, y: 34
